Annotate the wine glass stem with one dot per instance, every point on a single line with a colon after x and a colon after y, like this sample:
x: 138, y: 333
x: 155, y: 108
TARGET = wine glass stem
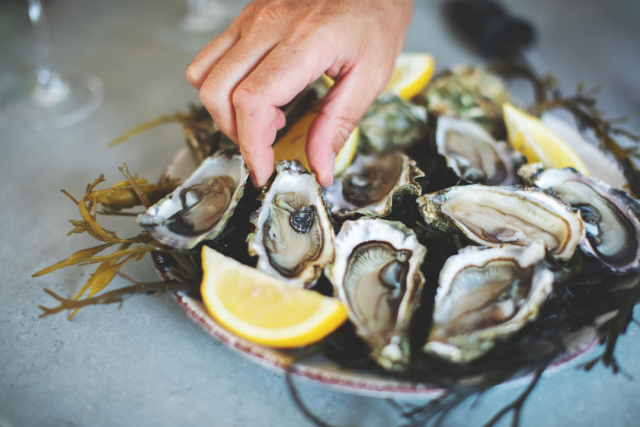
x: 50, y: 89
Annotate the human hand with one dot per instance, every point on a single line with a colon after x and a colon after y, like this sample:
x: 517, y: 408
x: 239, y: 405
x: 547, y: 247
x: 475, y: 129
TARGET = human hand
x: 275, y: 48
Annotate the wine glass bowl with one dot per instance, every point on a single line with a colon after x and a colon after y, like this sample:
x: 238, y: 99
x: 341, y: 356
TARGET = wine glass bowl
x: 48, y: 98
x: 203, y: 21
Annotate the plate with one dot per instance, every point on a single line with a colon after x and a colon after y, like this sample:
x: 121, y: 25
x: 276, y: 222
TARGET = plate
x: 323, y: 371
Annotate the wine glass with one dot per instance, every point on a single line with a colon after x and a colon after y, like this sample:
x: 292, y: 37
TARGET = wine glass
x: 49, y: 99
x: 204, y: 20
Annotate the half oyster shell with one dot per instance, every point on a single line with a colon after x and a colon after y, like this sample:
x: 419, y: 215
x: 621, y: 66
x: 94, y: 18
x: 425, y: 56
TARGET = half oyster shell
x: 370, y: 183
x: 200, y: 208
x: 376, y: 273
x: 496, y: 215
x: 484, y: 295
x: 293, y: 237
x: 474, y: 155
x: 611, y: 217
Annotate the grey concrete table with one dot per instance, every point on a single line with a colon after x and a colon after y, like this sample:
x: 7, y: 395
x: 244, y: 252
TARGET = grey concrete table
x: 148, y: 364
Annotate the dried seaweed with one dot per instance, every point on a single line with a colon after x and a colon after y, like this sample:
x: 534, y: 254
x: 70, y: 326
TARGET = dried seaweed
x: 194, y: 114
x: 110, y: 264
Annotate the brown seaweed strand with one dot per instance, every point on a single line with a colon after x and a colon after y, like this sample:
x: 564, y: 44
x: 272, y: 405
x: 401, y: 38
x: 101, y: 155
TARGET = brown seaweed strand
x: 115, y: 296
x: 132, y: 181
x: 309, y: 351
x: 516, y: 405
x: 173, y: 118
x: 619, y: 325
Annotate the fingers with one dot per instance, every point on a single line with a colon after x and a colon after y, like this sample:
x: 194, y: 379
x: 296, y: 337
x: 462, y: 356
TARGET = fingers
x: 340, y: 113
x: 208, y: 57
x: 281, y: 75
x: 216, y: 93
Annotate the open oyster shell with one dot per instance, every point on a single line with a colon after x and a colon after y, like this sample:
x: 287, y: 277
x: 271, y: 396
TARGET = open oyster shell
x: 484, y: 295
x: 376, y: 273
x: 496, y: 215
x: 200, y: 208
x: 611, y: 217
x: 293, y: 237
x: 474, y: 155
x: 370, y: 183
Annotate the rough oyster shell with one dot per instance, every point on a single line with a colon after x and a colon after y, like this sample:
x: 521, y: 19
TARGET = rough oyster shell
x: 370, y: 183
x: 484, y: 295
x: 611, y: 217
x: 293, y: 238
x: 376, y: 273
x: 474, y: 155
x: 497, y: 215
x: 390, y: 123
x: 200, y: 208
x: 469, y: 93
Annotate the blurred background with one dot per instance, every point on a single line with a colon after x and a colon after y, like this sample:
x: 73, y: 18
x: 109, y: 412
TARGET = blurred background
x: 148, y: 364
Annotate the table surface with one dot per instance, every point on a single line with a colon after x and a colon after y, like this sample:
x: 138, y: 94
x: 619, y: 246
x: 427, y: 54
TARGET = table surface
x: 147, y: 363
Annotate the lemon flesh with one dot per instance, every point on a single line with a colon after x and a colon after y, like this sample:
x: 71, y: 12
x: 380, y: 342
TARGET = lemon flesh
x: 264, y: 309
x: 528, y: 135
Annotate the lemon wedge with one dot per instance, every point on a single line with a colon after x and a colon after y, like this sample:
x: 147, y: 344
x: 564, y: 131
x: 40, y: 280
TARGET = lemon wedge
x: 264, y: 309
x: 293, y: 143
x: 411, y: 74
x: 529, y: 136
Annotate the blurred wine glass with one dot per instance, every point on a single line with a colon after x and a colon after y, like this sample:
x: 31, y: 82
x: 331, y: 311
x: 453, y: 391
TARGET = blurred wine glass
x: 47, y: 98
x: 204, y: 20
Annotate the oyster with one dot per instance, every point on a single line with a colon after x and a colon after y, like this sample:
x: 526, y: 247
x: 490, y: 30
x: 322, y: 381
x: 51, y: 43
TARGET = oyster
x: 376, y: 272
x: 474, y: 155
x: 200, y: 208
x: 469, y: 93
x: 484, y: 295
x: 611, y: 217
x: 390, y: 123
x: 495, y: 215
x: 370, y: 183
x: 293, y: 237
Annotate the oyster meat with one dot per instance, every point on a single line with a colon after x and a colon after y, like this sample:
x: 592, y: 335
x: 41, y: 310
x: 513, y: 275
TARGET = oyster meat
x: 496, y: 215
x: 293, y: 238
x: 200, y: 208
x: 611, y: 217
x: 474, y: 155
x: 484, y: 295
x: 376, y: 273
x: 371, y: 182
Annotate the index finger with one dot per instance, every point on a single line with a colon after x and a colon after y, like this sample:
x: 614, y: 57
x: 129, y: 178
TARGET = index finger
x: 278, y: 78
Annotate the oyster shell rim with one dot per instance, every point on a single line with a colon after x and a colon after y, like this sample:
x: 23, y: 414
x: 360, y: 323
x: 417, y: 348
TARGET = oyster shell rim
x: 256, y: 247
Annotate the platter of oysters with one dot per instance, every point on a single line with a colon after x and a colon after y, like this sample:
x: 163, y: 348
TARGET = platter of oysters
x: 447, y: 246
x: 469, y: 242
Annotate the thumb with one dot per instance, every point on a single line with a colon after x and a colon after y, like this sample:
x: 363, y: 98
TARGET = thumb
x: 340, y: 113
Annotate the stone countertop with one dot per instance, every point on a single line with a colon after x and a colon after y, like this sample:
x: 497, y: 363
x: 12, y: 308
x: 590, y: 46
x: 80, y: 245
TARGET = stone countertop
x: 147, y: 363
